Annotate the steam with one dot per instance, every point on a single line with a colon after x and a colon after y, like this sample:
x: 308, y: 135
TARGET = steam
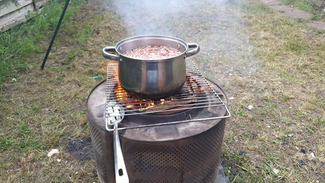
x: 158, y: 16
x: 146, y: 17
x: 214, y: 24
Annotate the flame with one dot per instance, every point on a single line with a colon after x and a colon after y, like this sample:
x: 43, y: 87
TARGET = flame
x: 132, y: 101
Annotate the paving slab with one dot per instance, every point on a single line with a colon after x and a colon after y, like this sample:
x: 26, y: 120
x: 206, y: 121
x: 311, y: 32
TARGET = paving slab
x: 294, y: 13
x: 316, y: 24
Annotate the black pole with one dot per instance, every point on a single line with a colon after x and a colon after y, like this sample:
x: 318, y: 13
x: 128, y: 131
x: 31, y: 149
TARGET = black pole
x: 56, y: 31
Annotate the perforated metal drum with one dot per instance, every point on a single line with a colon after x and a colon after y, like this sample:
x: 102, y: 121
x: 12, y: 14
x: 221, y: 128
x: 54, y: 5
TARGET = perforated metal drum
x: 176, y: 153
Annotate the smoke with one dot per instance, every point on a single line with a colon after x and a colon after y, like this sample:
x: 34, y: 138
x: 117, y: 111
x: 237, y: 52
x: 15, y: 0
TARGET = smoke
x: 215, y: 25
x: 159, y: 16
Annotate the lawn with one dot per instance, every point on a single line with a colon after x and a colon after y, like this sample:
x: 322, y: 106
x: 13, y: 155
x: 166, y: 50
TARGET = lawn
x: 272, y: 68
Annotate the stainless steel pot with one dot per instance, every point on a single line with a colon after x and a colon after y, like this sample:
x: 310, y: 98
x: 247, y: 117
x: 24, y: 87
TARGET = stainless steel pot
x: 151, y: 78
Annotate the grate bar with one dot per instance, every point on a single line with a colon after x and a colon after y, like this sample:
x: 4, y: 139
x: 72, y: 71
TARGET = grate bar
x: 180, y: 102
x: 166, y: 108
x: 194, y: 106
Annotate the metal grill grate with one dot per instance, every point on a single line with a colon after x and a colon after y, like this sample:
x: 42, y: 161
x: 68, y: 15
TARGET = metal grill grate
x: 197, y: 93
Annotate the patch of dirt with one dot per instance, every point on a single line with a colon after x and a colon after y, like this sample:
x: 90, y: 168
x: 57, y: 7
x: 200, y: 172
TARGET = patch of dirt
x: 296, y: 13
x: 81, y: 149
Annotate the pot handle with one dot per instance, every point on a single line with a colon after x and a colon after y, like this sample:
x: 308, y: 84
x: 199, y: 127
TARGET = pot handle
x: 109, y: 55
x: 195, y: 50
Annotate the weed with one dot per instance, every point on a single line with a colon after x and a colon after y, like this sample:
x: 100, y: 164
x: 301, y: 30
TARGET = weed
x: 262, y: 8
x: 320, y: 122
x: 321, y: 31
x: 239, y: 112
x: 5, y: 143
x: 24, y: 129
x: 84, y: 34
x: 296, y: 46
x: 68, y: 59
x: 23, y: 140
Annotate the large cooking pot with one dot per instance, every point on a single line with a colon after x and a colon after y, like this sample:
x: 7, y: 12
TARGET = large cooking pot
x: 151, y: 78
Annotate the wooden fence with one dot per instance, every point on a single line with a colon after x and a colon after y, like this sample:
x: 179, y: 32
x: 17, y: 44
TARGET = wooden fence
x: 13, y: 12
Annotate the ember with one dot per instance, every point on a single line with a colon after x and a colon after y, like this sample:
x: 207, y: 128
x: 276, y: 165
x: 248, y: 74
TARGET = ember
x: 189, y: 94
x: 153, y: 52
x: 133, y: 101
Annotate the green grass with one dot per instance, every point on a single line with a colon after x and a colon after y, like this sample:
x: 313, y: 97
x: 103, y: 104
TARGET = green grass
x: 288, y: 103
x: 44, y: 109
x: 23, y: 140
x: 84, y: 34
x: 18, y: 43
x: 18, y: 49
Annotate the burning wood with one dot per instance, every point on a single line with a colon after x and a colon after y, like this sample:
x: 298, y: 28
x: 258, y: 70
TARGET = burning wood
x: 189, y: 94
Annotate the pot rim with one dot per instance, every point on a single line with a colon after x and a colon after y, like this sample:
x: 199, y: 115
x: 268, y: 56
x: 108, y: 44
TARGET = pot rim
x: 151, y: 36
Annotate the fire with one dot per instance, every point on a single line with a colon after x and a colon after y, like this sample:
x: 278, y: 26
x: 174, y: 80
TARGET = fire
x: 131, y: 100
